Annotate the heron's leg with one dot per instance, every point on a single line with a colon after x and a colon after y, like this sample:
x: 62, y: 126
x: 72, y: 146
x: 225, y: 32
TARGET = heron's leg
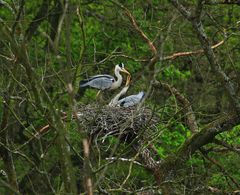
x: 98, y: 93
x: 99, y: 98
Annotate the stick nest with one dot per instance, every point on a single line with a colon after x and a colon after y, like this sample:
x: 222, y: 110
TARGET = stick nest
x: 116, y: 120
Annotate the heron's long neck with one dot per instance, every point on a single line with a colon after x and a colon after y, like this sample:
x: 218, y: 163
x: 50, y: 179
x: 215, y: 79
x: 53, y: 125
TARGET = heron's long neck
x: 118, y: 81
x: 116, y: 98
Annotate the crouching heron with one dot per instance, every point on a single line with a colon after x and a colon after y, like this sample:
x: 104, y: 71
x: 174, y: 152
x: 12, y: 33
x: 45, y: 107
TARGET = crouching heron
x: 128, y: 101
x: 102, y: 81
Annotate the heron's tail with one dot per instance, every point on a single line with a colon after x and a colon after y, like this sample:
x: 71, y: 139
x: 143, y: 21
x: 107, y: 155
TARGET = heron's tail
x: 141, y: 94
x: 80, y: 93
x: 83, y: 83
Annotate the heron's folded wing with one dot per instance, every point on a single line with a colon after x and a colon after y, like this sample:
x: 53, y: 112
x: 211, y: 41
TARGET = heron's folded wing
x: 101, y: 83
x: 102, y: 75
x: 86, y: 82
x: 131, y: 100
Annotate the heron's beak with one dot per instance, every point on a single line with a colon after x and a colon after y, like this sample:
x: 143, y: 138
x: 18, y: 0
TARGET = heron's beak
x: 124, y: 70
x: 128, y: 80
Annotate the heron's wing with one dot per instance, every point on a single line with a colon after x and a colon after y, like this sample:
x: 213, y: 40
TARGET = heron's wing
x: 96, y: 78
x: 102, y: 75
x: 99, y: 83
x: 131, y: 100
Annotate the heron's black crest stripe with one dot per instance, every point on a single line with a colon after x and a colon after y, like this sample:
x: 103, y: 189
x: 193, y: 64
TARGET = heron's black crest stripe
x: 121, y: 65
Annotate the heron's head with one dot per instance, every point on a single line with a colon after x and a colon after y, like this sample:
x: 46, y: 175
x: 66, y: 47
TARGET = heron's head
x: 120, y: 67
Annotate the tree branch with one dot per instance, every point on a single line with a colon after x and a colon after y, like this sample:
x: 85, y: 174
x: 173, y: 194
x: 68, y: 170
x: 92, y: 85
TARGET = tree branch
x: 215, y: 162
x: 151, y: 46
x: 203, y: 39
x: 197, y: 140
x: 189, y: 114
x: 41, y: 15
x: 190, y: 53
x: 141, y: 33
x: 181, y: 9
x: 223, y: 2
x: 226, y: 145
x: 17, y: 20
x: 199, y: 8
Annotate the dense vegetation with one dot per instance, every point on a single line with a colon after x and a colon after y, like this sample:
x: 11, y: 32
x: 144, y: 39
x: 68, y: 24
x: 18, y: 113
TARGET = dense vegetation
x: 183, y: 55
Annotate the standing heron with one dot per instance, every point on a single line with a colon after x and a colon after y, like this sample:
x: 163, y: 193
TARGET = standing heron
x: 103, y: 81
x: 128, y: 101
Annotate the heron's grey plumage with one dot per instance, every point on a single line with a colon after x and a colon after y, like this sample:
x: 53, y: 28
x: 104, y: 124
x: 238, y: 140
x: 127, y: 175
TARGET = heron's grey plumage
x: 102, y: 81
x: 131, y: 100
x: 100, y: 76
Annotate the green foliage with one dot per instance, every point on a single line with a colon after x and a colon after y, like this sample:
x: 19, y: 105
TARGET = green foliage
x: 173, y: 73
x: 139, y: 176
x: 171, y: 139
x: 218, y: 180
x: 100, y: 38
x: 231, y: 137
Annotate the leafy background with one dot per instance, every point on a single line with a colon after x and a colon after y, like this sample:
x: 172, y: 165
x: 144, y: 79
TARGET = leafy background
x: 94, y: 36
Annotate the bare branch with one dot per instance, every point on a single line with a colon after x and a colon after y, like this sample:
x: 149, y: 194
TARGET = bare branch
x: 142, y: 34
x: 125, y: 160
x: 60, y: 23
x: 223, y: 2
x: 215, y: 162
x: 226, y: 145
x: 190, y: 53
x: 41, y: 15
x: 6, y: 185
x: 196, y: 141
x: 146, y: 155
x: 199, y: 8
x: 205, y: 43
x: 20, y: 11
x: 189, y: 114
x: 151, y: 46
x: 88, y: 184
x: 182, y: 9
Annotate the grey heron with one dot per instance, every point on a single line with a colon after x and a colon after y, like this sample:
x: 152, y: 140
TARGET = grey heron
x: 103, y: 81
x: 128, y: 101
x: 131, y: 100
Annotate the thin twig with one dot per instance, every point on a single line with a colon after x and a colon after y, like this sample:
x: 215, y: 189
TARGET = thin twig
x: 187, y: 108
x: 125, y: 160
x: 215, y: 162
x: 190, y: 53
x: 151, y: 46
